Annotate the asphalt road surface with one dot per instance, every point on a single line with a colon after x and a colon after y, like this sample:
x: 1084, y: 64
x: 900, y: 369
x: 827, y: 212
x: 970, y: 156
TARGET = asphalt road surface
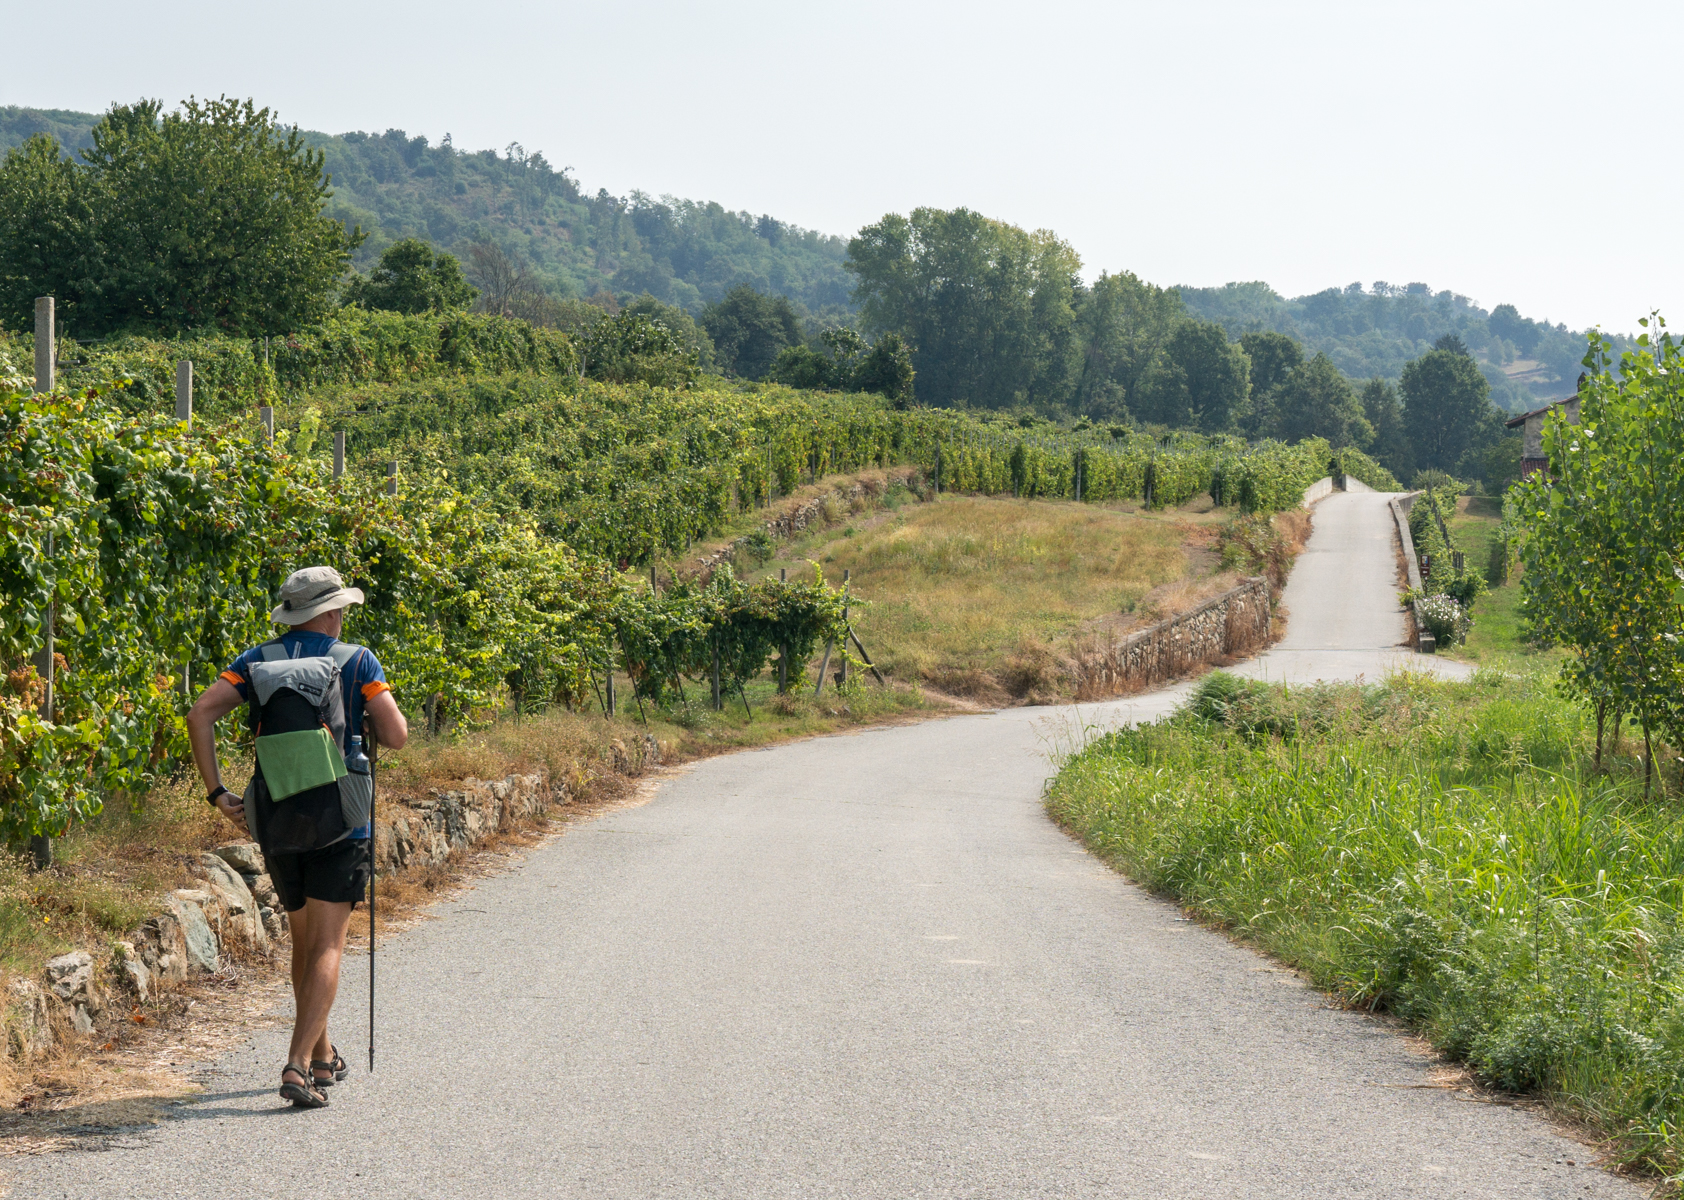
x: 858, y: 966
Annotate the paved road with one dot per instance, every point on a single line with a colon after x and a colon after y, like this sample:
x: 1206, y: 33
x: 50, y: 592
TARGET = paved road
x: 858, y: 966
x: 1344, y: 619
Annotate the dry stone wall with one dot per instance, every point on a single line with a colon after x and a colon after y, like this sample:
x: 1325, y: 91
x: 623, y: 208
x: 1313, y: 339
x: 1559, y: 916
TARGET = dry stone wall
x: 1223, y: 627
x: 809, y: 513
x: 234, y: 912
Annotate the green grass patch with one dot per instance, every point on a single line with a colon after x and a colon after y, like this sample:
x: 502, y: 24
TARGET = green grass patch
x: 1439, y: 850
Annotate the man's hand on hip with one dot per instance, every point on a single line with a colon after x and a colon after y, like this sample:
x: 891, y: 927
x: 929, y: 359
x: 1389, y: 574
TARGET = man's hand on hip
x: 232, y: 807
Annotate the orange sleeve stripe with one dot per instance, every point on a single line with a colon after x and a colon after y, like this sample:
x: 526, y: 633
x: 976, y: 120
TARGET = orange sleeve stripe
x: 236, y: 680
x: 371, y: 690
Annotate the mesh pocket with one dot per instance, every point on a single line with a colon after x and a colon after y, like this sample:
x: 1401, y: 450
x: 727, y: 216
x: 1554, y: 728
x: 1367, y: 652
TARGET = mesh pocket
x: 297, y: 762
x: 356, y: 799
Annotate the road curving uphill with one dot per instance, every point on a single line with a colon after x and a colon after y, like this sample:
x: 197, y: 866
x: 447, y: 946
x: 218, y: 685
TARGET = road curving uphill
x: 863, y: 966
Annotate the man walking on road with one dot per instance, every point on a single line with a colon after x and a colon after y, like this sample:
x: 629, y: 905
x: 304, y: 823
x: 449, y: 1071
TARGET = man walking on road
x: 308, y: 694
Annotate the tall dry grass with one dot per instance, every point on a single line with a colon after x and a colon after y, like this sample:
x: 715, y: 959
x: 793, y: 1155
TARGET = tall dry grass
x: 980, y: 596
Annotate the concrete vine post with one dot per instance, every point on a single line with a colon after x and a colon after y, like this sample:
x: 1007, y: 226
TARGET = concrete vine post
x: 392, y: 477
x: 339, y: 454
x: 184, y: 391
x: 46, y: 352
x: 783, y: 649
x: 266, y: 414
x: 842, y: 673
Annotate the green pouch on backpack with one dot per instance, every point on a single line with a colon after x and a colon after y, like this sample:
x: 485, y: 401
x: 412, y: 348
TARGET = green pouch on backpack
x: 295, y: 762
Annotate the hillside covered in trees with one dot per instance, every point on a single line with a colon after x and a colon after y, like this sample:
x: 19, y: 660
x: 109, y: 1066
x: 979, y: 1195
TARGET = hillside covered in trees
x: 1373, y: 332
x: 948, y: 308
x: 682, y: 252
x: 689, y: 254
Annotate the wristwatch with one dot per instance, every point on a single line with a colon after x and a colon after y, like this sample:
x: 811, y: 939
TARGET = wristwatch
x: 215, y: 792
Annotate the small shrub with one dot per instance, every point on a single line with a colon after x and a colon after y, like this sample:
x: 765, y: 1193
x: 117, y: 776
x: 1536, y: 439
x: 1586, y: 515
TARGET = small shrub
x: 760, y: 546
x: 1442, y: 617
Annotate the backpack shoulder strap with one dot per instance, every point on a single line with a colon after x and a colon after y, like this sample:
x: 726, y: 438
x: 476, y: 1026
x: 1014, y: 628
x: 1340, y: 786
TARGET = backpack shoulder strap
x: 343, y: 652
x: 274, y: 651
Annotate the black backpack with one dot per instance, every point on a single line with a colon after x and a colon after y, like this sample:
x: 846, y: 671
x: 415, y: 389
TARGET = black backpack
x: 301, y: 796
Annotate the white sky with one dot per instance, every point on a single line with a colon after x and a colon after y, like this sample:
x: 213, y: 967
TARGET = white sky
x: 1510, y: 151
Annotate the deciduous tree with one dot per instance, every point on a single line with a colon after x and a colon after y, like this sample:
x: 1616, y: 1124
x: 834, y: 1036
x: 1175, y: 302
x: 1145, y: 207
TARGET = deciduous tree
x: 411, y: 278
x: 1447, y: 404
x: 206, y: 217
x: 750, y: 329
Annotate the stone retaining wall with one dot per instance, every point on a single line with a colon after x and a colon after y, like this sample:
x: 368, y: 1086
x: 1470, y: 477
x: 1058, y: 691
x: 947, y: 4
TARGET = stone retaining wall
x: 234, y: 912
x: 1226, y: 626
x: 797, y: 518
x: 1400, y: 506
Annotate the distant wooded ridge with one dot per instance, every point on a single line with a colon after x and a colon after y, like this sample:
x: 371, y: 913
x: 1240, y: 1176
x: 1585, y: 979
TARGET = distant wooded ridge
x: 690, y: 254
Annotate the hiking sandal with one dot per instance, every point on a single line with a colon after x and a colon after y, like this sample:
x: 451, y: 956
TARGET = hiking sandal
x: 335, y: 1067
x: 302, y: 1095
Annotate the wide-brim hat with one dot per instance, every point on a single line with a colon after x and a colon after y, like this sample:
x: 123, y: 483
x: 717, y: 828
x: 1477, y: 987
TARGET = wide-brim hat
x: 310, y: 592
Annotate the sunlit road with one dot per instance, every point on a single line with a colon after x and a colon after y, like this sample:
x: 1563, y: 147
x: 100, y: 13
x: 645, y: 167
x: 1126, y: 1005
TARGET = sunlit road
x: 856, y: 966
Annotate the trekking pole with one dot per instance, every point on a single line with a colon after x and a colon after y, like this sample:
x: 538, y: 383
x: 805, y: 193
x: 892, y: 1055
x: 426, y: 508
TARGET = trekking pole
x: 373, y: 744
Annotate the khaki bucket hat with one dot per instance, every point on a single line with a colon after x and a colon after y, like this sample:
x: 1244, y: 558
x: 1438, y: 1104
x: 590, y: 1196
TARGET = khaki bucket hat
x: 310, y: 592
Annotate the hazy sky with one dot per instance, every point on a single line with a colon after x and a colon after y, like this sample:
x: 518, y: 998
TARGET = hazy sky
x: 1512, y: 152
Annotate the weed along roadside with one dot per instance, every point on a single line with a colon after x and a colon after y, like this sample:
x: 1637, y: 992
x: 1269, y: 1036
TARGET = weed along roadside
x: 1443, y: 851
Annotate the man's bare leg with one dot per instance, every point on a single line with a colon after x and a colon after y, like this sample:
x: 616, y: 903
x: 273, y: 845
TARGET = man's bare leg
x: 318, y: 942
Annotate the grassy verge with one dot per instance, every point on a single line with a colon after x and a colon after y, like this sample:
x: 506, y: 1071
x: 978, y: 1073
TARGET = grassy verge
x: 1497, y: 635
x: 980, y: 597
x: 1439, y: 850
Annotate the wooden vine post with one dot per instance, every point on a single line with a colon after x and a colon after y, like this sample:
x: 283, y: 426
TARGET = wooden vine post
x: 41, y: 845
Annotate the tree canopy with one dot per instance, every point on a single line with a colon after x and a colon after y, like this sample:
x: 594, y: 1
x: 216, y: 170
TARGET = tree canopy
x: 1199, y: 380
x: 210, y: 216
x: 411, y: 278
x: 987, y: 309
x: 749, y: 330
x: 1448, y: 406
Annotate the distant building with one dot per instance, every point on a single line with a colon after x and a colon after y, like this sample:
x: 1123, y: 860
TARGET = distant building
x: 1532, y: 459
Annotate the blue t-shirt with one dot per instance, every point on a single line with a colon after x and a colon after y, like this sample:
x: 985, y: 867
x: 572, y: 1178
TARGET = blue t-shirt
x: 362, y: 679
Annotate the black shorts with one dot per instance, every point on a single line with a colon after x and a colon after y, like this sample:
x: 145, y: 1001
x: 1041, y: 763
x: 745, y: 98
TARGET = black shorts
x: 336, y: 873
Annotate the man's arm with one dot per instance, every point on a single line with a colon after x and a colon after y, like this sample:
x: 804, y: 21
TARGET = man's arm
x: 388, y: 721
x: 218, y: 700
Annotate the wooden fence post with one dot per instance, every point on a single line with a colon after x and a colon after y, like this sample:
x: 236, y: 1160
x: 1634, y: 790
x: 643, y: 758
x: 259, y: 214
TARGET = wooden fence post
x: 46, y: 350
x: 339, y: 454
x: 184, y: 391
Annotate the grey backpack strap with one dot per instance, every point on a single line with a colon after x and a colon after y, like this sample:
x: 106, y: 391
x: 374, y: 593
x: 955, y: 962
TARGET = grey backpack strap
x: 343, y: 652
x: 274, y: 651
